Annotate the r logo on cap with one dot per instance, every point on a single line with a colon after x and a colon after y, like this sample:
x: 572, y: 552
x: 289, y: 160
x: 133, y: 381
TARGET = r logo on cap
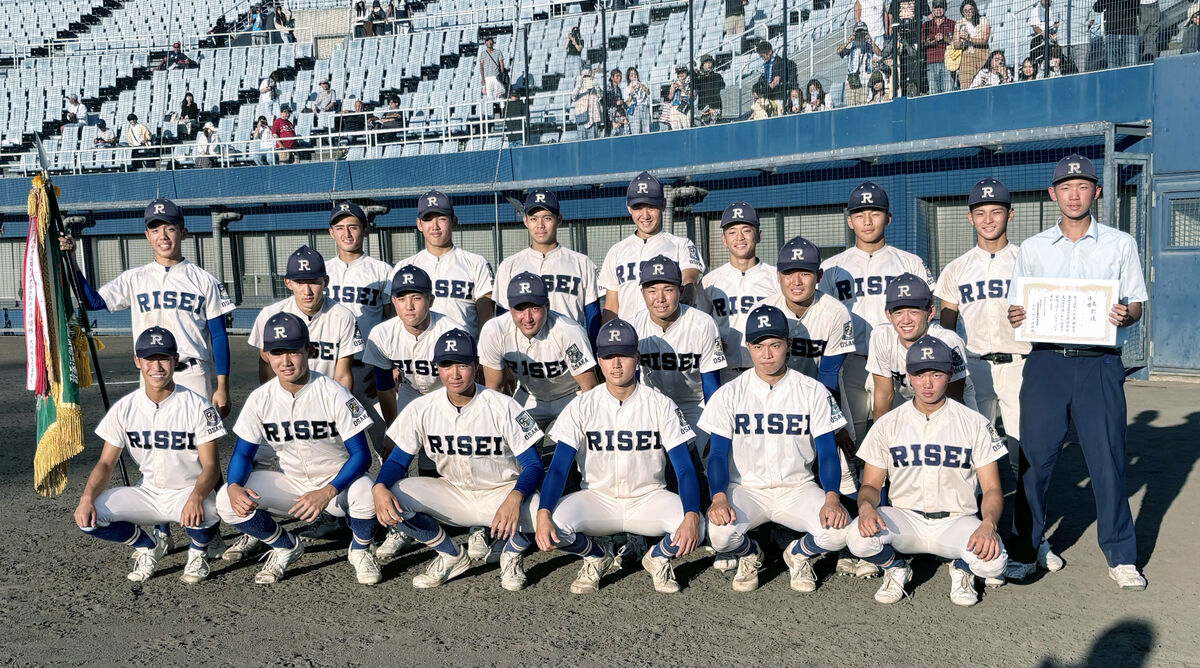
x: 159, y: 208
x: 989, y: 192
x: 1074, y: 168
x: 903, y: 290
x: 280, y: 332
x: 658, y: 270
x: 737, y: 213
x: 867, y: 199
x: 927, y: 353
x: 614, y: 335
x: 643, y: 188
x: 797, y: 253
x: 451, y: 344
x: 156, y: 339
x: 525, y: 288
x: 408, y: 279
x: 539, y: 198
x: 345, y: 206
x: 764, y: 321
x: 431, y: 201
x: 302, y: 265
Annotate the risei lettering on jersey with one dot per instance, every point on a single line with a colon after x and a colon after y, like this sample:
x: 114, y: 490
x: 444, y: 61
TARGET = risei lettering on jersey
x: 775, y: 424
x: 354, y: 294
x: 410, y: 367
x: 727, y: 306
x: 465, y: 445
x: 453, y: 289
x: 627, y: 272
x: 161, y: 300
x: 808, y: 348
x: 931, y: 454
x: 536, y: 369
x: 161, y: 440
x: 567, y: 285
x: 324, y: 350
x: 299, y: 430
x: 996, y: 288
x: 860, y: 287
x: 670, y: 361
x: 623, y: 440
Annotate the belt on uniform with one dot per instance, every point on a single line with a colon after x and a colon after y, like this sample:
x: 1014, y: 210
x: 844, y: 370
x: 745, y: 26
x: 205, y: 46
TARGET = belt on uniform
x: 1001, y: 358
x: 1090, y: 351
x: 185, y: 364
x: 932, y: 516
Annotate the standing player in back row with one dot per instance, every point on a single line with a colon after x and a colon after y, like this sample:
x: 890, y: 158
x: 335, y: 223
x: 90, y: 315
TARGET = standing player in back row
x: 462, y: 280
x: 570, y: 277
x: 619, y: 273
x: 857, y: 277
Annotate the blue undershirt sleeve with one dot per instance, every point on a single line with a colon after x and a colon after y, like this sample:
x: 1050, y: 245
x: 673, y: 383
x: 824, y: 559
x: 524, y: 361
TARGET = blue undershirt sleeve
x: 220, y: 345
x: 719, y: 449
x: 827, y: 374
x: 685, y: 475
x: 532, y: 472
x: 710, y: 381
x: 383, y: 379
x: 359, y: 462
x: 395, y: 468
x: 591, y: 316
x: 829, y: 467
x: 556, y: 477
x: 241, y: 462
x: 94, y: 301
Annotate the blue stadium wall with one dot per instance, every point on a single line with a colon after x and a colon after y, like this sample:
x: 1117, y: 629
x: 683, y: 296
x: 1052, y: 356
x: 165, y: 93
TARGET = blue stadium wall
x: 1157, y: 92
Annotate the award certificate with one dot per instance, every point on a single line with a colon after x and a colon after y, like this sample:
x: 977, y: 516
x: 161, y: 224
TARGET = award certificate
x: 1066, y: 311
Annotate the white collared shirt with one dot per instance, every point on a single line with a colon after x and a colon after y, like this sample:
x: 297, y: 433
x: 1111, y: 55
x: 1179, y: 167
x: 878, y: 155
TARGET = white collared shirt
x: 361, y: 286
x: 459, y: 278
x: 546, y: 363
x: 333, y: 332
x: 977, y: 282
x: 570, y: 279
x: 733, y: 293
x: 392, y: 346
x: 824, y: 329
x: 858, y: 279
x: 673, y: 359
x: 621, y: 270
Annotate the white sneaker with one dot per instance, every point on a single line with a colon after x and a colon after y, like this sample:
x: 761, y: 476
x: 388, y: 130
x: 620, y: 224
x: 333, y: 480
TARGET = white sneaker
x: 588, y: 579
x: 847, y: 566
x: 146, y: 559
x: 393, y: 544
x: 1047, y: 559
x: 366, y: 569
x: 512, y: 572
x: 1017, y: 571
x: 995, y: 582
x: 746, y: 578
x: 661, y: 573
x: 196, y: 569
x: 245, y: 546
x: 894, y: 579
x: 278, y: 559
x: 215, y: 548
x: 1128, y: 577
x: 443, y: 567
x: 725, y: 562
x: 478, y: 545
x: 962, y: 587
x: 800, y: 570
x: 866, y: 570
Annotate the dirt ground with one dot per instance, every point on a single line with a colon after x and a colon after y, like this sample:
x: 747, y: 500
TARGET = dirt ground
x: 66, y: 600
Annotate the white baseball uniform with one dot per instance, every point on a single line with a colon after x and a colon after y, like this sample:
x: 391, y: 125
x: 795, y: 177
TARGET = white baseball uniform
x: 474, y: 449
x: 391, y: 346
x: 545, y: 365
x: 333, y: 332
x: 569, y: 277
x: 621, y: 450
x: 857, y: 279
x: 824, y: 329
x: 932, y: 463
x: 772, y: 429
x: 622, y: 266
x: 459, y: 278
x: 888, y: 359
x: 733, y: 294
x: 308, y: 432
x: 182, y: 299
x: 162, y: 439
x: 977, y: 282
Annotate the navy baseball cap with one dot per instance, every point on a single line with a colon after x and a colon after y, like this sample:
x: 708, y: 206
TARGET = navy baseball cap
x: 434, y: 202
x: 616, y: 337
x: 739, y: 213
x: 155, y: 341
x: 660, y: 269
x: 907, y: 290
x: 766, y: 322
x: 305, y: 263
x: 346, y: 208
x: 798, y: 253
x: 1074, y: 166
x: 527, y: 288
x: 163, y: 210
x: 454, y: 346
x: 867, y: 196
x: 284, y: 331
x: 541, y: 198
x: 411, y: 278
x: 644, y: 189
x: 989, y: 191
x: 929, y: 353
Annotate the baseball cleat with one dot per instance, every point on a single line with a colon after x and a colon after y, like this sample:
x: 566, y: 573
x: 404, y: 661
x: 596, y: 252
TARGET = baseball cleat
x: 278, y: 559
x: 588, y: 579
x: 393, y: 544
x: 847, y: 566
x: 746, y: 578
x: 326, y: 526
x: 894, y: 579
x: 512, y: 572
x: 146, y: 559
x: 800, y: 570
x: 215, y: 547
x: 866, y: 570
x: 478, y: 546
x: 245, y: 546
x: 1017, y: 571
x: 962, y: 587
x: 992, y: 583
x: 366, y: 569
x: 196, y: 569
x: 443, y: 567
x: 1128, y: 577
x: 661, y: 573
x: 1047, y: 559
x: 725, y: 562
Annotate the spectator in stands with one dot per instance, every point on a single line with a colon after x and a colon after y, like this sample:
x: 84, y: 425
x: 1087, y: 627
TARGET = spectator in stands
x: 735, y: 18
x: 861, y: 54
x: 1038, y: 43
x: 817, y: 98
x: 220, y: 32
x: 362, y: 20
x: 378, y: 19
x: 574, y: 49
x: 680, y: 97
x: 176, y: 59
x: 614, y: 105
x: 204, y: 148
x: 284, y: 23
x: 637, y: 102
x: 515, y: 116
x: 794, y: 103
x: 105, y: 137
x: 993, y: 73
x: 1149, y: 19
x: 352, y: 119
x: 778, y: 73
x: 708, y: 86
x: 326, y: 99
x: 762, y: 106
x: 877, y: 18
x: 1121, y: 43
x: 1028, y: 71
x: 1190, y: 35
x: 136, y: 133
x: 392, y: 117
x: 185, y: 118
x: 492, y: 75
x: 401, y: 16
x: 268, y: 96
x: 258, y: 25
x: 264, y: 142
x: 586, y: 107
x: 936, y: 34
x: 877, y: 88
x: 905, y: 18
x: 74, y: 111
x: 971, y: 36
x: 283, y: 129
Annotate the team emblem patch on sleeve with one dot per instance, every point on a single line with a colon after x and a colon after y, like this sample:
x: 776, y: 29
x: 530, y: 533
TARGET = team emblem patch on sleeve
x: 356, y: 409
x: 997, y: 442
x: 956, y: 361
x: 848, y: 331
x: 358, y: 339
x: 527, y: 424
x: 574, y: 356
x: 683, y: 423
x: 835, y: 411
x: 211, y: 417
x: 720, y: 346
x: 694, y: 253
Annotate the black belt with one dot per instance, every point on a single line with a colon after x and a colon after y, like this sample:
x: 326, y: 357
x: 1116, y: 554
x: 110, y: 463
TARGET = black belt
x: 1088, y: 351
x: 357, y: 363
x: 932, y: 516
x: 184, y: 364
x: 1001, y: 358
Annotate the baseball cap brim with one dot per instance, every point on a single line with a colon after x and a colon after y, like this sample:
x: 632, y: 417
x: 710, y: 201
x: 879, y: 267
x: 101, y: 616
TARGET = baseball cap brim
x: 162, y: 219
x: 929, y: 366
x: 761, y: 336
x: 529, y: 301
x: 441, y: 210
x: 285, y: 345
x: 917, y: 303
x: 616, y: 351
x: 454, y: 358
x: 656, y: 202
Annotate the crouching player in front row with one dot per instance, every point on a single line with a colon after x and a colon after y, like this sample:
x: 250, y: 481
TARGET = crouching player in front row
x: 934, y: 450
x: 171, y: 433
x: 318, y: 429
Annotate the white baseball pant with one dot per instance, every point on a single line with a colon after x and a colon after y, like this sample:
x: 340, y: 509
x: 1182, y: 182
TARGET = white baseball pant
x: 700, y: 444
x: 911, y: 533
x: 998, y: 392
x: 857, y: 388
x: 146, y: 505
x: 277, y: 493
x: 544, y: 413
x: 594, y: 513
x: 364, y: 377
x: 796, y: 508
x: 449, y: 504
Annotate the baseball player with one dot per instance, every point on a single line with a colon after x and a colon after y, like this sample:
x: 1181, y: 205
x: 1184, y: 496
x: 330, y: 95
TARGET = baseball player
x: 462, y: 280
x: 620, y: 435
x: 766, y: 427
x: 547, y: 352
x: 736, y: 287
x: 316, y: 426
x: 619, y: 273
x: 857, y: 277
x: 484, y: 446
x: 570, y: 277
x: 171, y: 433
x: 934, y: 452
x: 909, y: 306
